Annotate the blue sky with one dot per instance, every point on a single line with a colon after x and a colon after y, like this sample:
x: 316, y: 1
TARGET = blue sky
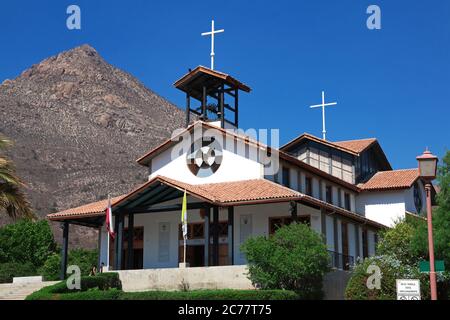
x: 392, y: 84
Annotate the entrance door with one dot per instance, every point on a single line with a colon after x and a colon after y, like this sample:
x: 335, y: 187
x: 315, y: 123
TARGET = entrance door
x: 195, y: 255
x: 138, y: 248
x: 195, y: 249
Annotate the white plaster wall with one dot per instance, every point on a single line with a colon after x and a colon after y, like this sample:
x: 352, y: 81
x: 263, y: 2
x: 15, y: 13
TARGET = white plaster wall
x: 360, y: 231
x: 234, y: 167
x: 315, y: 188
x: 386, y: 207
x: 293, y: 179
x: 260, y: 221
x: 352, y: 202
x: 302, y: 182
x: 409, y: 198
x: 330, y: 233
x: 335, y: 193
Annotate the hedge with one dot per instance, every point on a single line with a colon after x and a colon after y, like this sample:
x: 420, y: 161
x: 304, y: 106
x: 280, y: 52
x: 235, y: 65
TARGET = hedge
x: 102, y: 282
x: 116, y: 294
x: 10, y: 270
x: 225, y: 294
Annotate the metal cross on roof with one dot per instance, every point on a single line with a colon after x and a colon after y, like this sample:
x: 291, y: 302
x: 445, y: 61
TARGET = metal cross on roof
x: 323, y: 105
x: 211, y: 33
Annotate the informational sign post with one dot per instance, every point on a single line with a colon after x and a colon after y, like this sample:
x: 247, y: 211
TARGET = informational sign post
x: 408, y: 289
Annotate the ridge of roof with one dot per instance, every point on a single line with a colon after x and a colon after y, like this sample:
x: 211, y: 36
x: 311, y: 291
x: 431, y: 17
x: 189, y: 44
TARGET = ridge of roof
x: 253, y: 142
x: 333, y: 144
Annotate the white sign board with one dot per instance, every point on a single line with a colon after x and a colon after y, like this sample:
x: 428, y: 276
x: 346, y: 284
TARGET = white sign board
x: 408, y: 289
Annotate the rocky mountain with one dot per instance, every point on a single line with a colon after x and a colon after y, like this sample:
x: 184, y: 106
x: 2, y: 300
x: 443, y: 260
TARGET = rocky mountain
x: 78, y: 124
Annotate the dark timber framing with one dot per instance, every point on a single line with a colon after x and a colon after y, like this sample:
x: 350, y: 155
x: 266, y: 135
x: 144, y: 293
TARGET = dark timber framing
x: 215, y: 231
x: 323, y: 222
x: 206, y: 233
x: 201, y: 89
x: 65, y: 245
x: 336, y: 240
x: 357, y: 245
x: 293, y: 210
x: 231, y: 235
x: 130, y: 239
x: 119, y: 241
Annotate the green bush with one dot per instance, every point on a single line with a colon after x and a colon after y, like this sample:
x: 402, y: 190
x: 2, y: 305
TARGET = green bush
x: 391, y: 269
x: 294, y: 258
x: 83, y: 258
x: 26, y: 242
x: 13, y: 269
x: 102, y: 282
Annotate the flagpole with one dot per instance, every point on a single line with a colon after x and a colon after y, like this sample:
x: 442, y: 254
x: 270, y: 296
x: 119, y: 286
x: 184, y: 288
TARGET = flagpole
x: 184, y: 226
x: 184, y: 255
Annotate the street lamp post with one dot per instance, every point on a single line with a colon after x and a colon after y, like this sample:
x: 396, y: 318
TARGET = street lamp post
x: 427, y: 171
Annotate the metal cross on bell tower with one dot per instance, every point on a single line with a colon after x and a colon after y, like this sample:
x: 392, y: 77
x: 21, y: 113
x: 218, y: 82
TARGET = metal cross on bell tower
x: 212, y: 33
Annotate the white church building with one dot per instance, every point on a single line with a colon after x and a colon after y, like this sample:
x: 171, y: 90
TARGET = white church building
x: 238, y: 188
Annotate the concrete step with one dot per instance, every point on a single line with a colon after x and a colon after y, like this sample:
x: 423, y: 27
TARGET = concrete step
x: 19, y: 291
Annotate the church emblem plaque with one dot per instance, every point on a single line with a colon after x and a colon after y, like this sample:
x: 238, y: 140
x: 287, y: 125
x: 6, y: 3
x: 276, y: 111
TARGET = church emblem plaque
x: 205, y: 157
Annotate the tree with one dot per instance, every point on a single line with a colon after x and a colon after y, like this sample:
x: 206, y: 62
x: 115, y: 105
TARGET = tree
x: 26, y: 241
x: 12, y: 199
x: 83, y: 258
x: 294, y: 258
x: 397, y: 242
x: 441, y: 220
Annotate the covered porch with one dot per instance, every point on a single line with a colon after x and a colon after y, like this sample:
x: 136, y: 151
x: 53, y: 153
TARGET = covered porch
x: 221, y: 216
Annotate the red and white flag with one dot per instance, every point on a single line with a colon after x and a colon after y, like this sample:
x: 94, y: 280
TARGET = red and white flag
x: 109, y: 224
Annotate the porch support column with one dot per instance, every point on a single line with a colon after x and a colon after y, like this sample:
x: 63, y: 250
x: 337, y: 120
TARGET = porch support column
x: 323, y: 222
x: 204, y: 115
x: 119, y: 241
x: 216, y: 236
x: 130, y: 238
x: 206, y: 232
x: 188, y: 109
x: 293, y: 210
x: 99, y: 262
x: 64, y: 252
x: 231, y: 235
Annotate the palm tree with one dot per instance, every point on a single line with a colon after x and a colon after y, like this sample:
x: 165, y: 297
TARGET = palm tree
x: 12, y: 199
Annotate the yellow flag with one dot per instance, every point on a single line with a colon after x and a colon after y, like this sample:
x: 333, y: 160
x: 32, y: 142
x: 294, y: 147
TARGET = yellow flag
x: 184, y: 215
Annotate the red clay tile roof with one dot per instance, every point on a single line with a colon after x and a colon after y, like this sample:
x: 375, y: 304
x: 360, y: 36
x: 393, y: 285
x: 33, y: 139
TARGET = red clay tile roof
x: 357, y: 146
x: 87, y: 210
x: 391, y: 180
x: 242, y: 191
x: 221, y: 194
x: 257, y: 190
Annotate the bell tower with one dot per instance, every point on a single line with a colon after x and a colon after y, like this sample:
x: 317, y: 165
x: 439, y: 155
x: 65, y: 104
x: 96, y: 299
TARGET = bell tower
x: 212, y: 96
